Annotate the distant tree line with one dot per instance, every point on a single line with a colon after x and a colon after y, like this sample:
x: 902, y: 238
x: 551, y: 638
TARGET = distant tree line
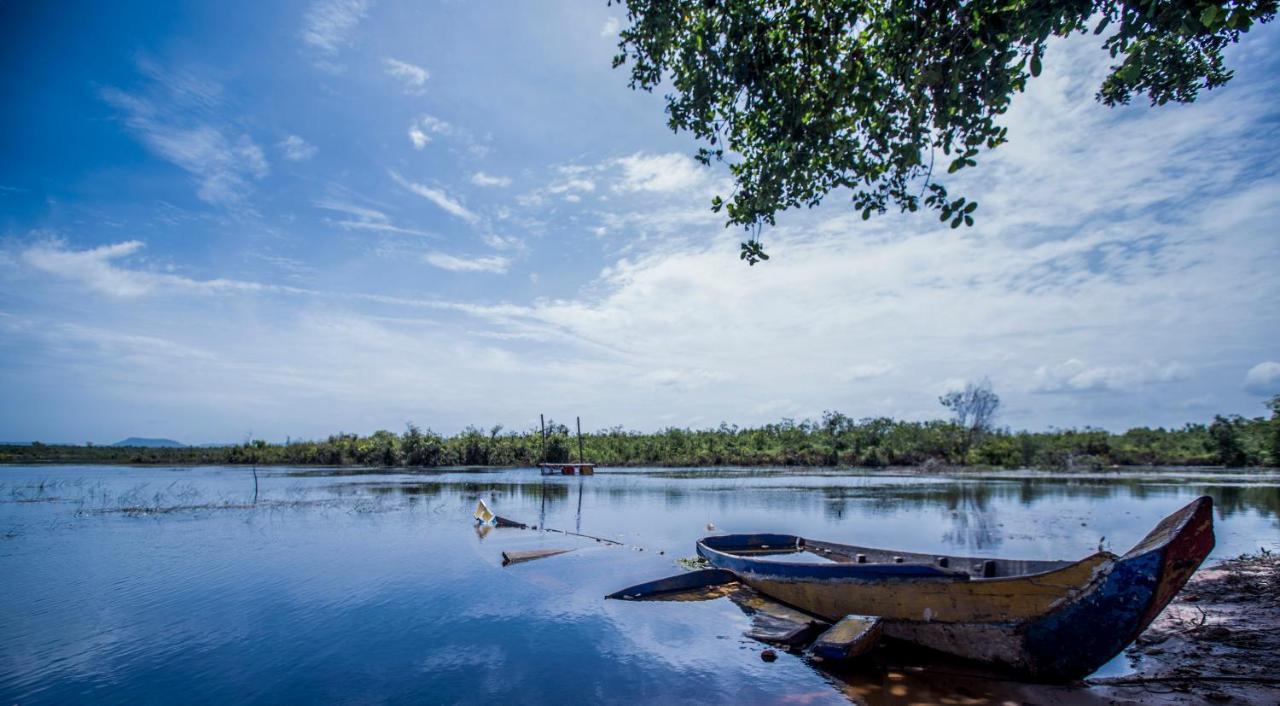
x: 967, y: 439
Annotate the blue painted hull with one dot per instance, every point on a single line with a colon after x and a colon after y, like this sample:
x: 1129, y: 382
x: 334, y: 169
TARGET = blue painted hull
x: 1053, y: 621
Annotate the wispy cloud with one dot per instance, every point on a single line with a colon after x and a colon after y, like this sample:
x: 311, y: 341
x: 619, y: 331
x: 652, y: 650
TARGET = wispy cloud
x: 1263, y: 379
x: 453, y: 263
x: 104, y: 269
x: 296, y: 149
x: 412, y: 77
x: 176, y: 121
x: 422, y: 130
x: 364, y: 218
x: 611, y: 27
x: 569, y: 182
x: 501, y: 242
x: 95, y: 269
x: 438, y: 197
x: 328, y: 25
x: 487, y: 180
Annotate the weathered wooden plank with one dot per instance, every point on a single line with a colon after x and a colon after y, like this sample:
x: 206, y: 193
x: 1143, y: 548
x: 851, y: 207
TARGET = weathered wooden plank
x: 509, y: 558
x: 852, y: 636
x: 775, y: 623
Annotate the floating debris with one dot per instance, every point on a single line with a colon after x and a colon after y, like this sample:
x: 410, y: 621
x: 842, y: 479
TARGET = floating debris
x: 509, y: 558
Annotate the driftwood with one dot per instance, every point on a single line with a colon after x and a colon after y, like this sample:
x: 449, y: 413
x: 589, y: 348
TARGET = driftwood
x: 509, y: 558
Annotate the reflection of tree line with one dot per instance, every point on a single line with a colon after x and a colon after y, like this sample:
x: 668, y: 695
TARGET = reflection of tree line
x: 969, y: 504
x: 552, y: 492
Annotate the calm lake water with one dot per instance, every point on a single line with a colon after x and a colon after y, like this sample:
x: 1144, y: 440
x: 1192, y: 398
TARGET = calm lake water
x: 157, y: 585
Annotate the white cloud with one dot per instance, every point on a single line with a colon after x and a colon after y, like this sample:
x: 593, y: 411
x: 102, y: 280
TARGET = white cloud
x: 413, y: 77
x: 482, y: 179
x: 611, y: 27
x: 439, y: 198
x: 1075, y: 376
x: 94, y: 269
x: 569, y: 183
x: 328, y: 25
x: 426, y: 126
x: 1263, y: 379
x: 499, y: 242
x: 222, y: 167
x: 865, y: 371
x: 296, y: 149
x: 660, y: 172
x: 98, y: 269
x: 177, y: 122
x: 444, y: 261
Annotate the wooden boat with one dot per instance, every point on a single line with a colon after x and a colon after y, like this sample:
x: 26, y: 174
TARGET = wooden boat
x: 1049, y: 620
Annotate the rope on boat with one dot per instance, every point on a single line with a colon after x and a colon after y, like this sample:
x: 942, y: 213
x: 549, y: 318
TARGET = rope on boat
x: 504, y: 522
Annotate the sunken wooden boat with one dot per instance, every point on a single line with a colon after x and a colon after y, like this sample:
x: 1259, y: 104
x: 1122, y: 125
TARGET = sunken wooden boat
x: 1048, y: 620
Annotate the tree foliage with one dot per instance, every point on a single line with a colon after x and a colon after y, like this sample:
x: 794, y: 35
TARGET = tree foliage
x: 973, y: 409
x: 802, y: 97
x: 834, y: 440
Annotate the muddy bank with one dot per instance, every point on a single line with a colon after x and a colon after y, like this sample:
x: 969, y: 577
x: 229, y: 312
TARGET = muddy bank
x: 1218, y: 641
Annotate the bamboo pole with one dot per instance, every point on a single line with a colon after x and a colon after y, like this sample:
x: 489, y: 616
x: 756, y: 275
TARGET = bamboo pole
x: 581, y: 458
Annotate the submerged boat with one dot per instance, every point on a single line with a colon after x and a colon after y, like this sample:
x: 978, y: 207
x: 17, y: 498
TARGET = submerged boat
x: 1049, y: 620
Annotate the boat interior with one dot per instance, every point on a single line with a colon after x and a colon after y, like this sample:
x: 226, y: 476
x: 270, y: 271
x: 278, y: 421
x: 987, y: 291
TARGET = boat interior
x: 790, y: 549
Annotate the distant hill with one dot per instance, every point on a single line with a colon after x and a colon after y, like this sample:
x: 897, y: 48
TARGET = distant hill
x: 150, y: 443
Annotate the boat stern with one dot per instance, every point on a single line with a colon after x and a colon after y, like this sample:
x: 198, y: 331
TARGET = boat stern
x: 1084, y: 634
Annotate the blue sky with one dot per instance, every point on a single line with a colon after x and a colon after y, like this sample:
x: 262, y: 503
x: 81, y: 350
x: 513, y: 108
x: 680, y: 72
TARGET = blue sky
x: 290, y: 219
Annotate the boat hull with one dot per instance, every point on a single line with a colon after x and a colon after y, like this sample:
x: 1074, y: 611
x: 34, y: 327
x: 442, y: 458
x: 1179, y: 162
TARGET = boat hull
x: 1059, y: 624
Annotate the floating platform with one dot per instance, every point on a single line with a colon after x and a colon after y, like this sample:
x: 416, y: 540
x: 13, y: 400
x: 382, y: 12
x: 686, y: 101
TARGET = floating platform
x: 567, y: 469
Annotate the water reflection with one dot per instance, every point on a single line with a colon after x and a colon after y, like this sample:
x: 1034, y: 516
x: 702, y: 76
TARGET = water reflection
x: 360, y: 584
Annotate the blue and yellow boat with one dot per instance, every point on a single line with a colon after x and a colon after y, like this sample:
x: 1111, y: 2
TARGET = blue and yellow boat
x: 1050, y: 620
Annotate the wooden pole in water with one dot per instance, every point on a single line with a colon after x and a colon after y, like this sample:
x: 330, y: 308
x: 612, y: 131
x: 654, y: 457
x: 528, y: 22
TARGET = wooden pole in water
x: 542, y: 447
x: 581, y: 458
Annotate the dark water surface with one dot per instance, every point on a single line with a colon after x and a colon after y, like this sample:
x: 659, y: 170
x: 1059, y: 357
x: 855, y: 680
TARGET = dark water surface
x: 153, y: 585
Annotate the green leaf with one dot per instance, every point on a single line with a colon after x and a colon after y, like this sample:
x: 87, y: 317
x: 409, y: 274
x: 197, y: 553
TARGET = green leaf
x: 815, y: 97
x: 956, y: 222
x: 973, y: 205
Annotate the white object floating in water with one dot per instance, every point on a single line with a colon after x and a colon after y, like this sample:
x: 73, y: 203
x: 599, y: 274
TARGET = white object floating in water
x: 483, y: 514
